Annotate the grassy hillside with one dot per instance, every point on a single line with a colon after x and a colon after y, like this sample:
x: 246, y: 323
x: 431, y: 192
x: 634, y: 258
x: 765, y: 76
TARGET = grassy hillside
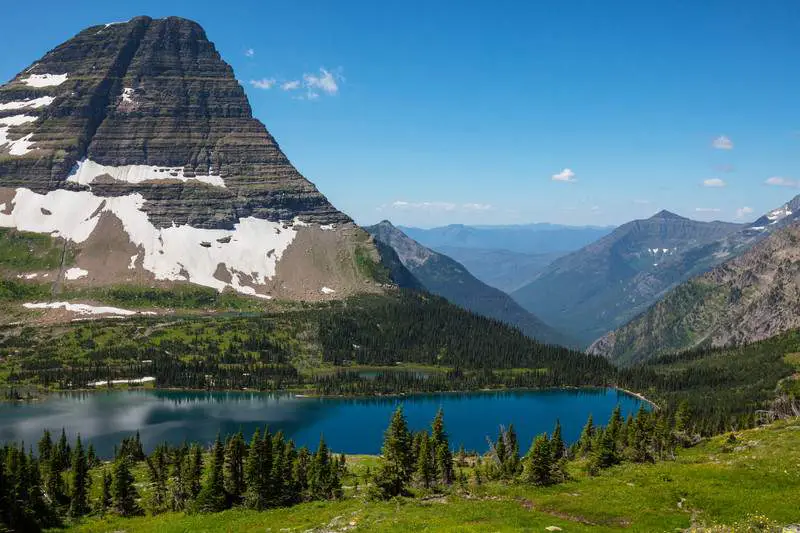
x: 721, y: 484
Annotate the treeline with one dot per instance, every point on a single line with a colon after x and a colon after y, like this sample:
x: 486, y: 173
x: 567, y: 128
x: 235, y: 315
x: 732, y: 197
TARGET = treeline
x: 55, y: 485
x: 724, y: 387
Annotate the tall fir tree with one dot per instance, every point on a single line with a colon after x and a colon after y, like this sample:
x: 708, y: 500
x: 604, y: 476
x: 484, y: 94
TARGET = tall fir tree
x: 425, y: 470
x: 539, y: 462
x: 212, y: 497
x: 79, y: 486
x: 440, y: 444
x: 124, y: 495
x: 586, y: 440
x: 235, y: 451
x: 557, y: 445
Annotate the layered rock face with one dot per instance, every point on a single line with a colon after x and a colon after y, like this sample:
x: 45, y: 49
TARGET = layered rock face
x: 135, y: 143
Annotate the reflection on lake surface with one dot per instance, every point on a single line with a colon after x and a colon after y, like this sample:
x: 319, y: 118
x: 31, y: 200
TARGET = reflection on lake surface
x: 350, y: 425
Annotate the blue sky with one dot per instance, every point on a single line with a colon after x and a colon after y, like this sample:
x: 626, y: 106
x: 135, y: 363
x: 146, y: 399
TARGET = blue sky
x: 565, y: 111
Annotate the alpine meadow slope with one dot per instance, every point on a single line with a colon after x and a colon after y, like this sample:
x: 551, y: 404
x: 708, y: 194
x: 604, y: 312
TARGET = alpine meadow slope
x: 129, y: 153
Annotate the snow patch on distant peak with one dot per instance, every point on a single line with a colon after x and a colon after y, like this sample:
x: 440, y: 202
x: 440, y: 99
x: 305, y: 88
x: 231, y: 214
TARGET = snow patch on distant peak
x: 45, y: 80
x: 327, y: 290
x: 21, y: 146
x: 75, y: 273
x: 6, y: 123
x: 132, y: 381
x: 127, y: 95
x: 327, y: 227
x: 28, y: 103
x: 87, y: 171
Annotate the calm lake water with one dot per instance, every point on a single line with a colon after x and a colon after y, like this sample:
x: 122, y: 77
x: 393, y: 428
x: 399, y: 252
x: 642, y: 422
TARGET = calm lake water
x: 350, y: 425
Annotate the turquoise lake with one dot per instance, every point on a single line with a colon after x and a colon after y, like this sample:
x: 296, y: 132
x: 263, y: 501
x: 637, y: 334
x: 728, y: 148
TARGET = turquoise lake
x: 350, y: 425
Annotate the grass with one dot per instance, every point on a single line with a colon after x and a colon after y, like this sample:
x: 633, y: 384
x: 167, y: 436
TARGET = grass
x: 21, y: 251
x: 718, y: 482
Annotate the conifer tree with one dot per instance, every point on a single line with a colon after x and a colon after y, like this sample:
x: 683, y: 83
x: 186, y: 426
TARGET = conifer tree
x: 425, y: 468
x: 79, y: 487
x: 62, y: 452
x: 212, y: 497
x: 440, y: 446
x: 194, y: 471
x: 91, y: 456
x: 587, y: 437
x: 511, y: 465
x: 300, y: 470
x: 104, y: 504
x: 557, y: 443
x: 123, y: 494
x: 605, y: 453
x: 539, y: 462
x: 255, y: 471
x: 45, y: 446
x: 235, y: 451
x: 397, y: 447
x: 323, y: 479
x: 615, y: 424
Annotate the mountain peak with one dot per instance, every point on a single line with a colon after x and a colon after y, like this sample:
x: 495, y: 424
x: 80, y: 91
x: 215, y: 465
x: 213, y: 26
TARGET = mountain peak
x: 667, y: 215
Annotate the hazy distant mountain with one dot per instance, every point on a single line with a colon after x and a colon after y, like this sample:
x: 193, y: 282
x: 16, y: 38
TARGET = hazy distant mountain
x: 502, y: 269
x: 506, y: 257
x: 750, y: 297
x: 526, y: 239
x: 606, y: 283
x: 443, y: 276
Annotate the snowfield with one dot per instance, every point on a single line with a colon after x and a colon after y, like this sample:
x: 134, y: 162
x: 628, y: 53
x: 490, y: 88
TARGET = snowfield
x: 45, y: 80
x: 76, y: 273
x: 84, y: 309
x: 248, y: 254
x: 86, y: 171
x: 31, y: 104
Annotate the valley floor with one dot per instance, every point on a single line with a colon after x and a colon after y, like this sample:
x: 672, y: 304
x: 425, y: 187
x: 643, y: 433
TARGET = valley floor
x: 721, y: 484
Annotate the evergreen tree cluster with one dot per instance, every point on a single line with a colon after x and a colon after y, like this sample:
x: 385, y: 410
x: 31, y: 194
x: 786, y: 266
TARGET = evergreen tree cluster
x: 50, y: 487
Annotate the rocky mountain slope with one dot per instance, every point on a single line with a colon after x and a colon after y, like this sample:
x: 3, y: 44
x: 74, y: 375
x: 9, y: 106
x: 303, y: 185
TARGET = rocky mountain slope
x: 606, y: 283
x: 749, y: 298
x: 443, y: 276
x: 134, y: 147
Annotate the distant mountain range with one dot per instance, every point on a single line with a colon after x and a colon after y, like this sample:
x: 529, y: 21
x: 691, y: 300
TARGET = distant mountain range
x: 506, y: 257
x: 750, y: 297
x: 445, y: 277
x: 605, y: 284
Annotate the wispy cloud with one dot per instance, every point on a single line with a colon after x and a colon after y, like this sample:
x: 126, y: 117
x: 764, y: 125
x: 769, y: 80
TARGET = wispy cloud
x: 249, y: 52
x: 263, y: 83
x: 782, y: 182
x: 714, y: 183
x: 743, y: 211
x: 325, y: 81
x: 477, y: 207
x: 707, y: 209
x: 290, y: 85
x: 565, y: 175
x: 722, y: 143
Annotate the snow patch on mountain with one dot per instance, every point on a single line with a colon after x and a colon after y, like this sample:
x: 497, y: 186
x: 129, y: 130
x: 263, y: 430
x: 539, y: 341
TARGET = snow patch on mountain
x: 45, y: 80
x: 248, y: 254
x: 75, y: 273
x: 84, y: 309
x: 28, y: 103
x: 87, y: 171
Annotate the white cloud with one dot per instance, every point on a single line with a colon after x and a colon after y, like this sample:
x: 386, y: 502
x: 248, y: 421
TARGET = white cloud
x: 263, y: 83
x: 742, y: 211
x: 290, y: 85
x: 707, y: 209
x: 782, y: 182
x: 326, y: 82
x: 249, y: 52
x: 722, y: 143
x: 476, y: 207
x: 714, y: 183
x: 565, y: 175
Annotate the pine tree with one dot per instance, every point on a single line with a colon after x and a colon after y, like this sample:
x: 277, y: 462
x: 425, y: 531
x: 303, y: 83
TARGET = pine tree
x: 255, y: 470
x: 397, y: 456
x: 91, y: 456
x: 605, y: 453
x: 615, y: 423
x: 159, y: 475
x: 539, y: 462
x: 440, y: 445
x: 586, y: 440
x: 300, y: 471
x: 511, y: 465
x: 79, y: 504
x: 45, y: 446
x: 323, y: 478
x: 123, y: 494
x: 194, y: 472
x: 235, y: 451
x: 105, y: 494
x: 557, y: 443
x: 425, y: 467
x: 62, y: 452
x: 212, y: 497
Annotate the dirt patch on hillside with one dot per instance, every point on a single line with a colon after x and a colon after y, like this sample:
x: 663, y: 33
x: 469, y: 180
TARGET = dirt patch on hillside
x: 322, y: 265
x: 7, y: 197
x: 107, y: 256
